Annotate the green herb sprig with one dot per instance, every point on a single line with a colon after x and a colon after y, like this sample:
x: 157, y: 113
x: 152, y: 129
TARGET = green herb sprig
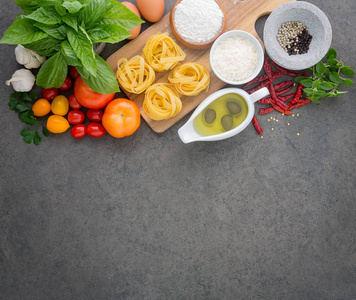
x: 66, y: 31
x: 22, y: 103
x: 326, y: 78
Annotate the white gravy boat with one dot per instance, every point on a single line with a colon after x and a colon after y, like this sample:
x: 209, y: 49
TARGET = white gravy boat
x: 187, y: 132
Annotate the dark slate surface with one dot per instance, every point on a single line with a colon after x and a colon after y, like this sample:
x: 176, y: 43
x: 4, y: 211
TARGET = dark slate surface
x: 147, y: 217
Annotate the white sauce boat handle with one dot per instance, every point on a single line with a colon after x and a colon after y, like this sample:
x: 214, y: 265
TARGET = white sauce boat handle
x: 259, y: 94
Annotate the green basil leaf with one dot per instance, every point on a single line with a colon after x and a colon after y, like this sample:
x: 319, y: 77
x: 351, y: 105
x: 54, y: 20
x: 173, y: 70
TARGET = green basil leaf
x: 331, y: 54
x: 348, y: 71
x: 54, y: 31
x: 315, y: 100
x: 93, y: 13
x: 347, y: 82
x: 20, y: 16
x: 309, y: 90
x: 306, y: 82
x: 332, y: 62
x: 83, y: 48
x: 316, y: 84
x: 108, y: 33
x: 53, y: 72
x: 105, y: 82
x: 71, y: 21
x: 320, y: 94
x: 334, y: 77
x: 326, y: 86
x: 69, y: 55
x: 72, y: 7
x: 22, y: 32
x: 27, y: 6
x: 46, y: 15
x: 45, y: 47
x: 60, y: 9
x: 119, y: 14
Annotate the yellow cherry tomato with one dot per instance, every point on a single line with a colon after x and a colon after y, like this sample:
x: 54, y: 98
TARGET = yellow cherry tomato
x: 57, y: 124
x: 60, y: 105
x: 41, y: 108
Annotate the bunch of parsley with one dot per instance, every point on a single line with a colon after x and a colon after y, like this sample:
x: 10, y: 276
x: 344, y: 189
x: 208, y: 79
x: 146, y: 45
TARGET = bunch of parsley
x: 66, y: 31
x: 326, y: 77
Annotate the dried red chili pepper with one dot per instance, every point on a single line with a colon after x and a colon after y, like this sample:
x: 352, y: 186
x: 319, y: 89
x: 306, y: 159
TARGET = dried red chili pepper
x: 285, y: 71
x: 300, y: 103
x: 281, y: 110
x: 257, y: 125
x: 263, y: 78
x: 265, y: 100
x: 265, y: 110
x: 283, y: 84
x: 284, y: 90
x: 258, y: 87
x: 299, y: 92
x: 284, y: 98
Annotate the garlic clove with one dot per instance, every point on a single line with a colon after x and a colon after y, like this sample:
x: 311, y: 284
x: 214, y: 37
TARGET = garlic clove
x: 22, y: 55
x: 29, y: 58
x: 22, y: 80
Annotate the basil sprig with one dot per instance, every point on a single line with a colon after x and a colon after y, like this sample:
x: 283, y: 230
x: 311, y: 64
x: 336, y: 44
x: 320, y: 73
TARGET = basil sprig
x: 326, y: 77
x: 66, y: 30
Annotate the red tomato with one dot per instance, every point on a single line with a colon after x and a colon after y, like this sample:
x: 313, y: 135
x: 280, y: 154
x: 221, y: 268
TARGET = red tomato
x: 73, y: 102
x: 96, y: 130
x: 78, y: 131
x: 49, y: 94
x: 67, y: 84
x: 76, y: 117
x: 95, y: 115
x: 121, y: 117
x: 73, y: 72
x: 88, y: 98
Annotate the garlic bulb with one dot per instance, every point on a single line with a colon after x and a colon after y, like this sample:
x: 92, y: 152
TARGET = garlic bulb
x: 22, y: 80
x: 29, y: 58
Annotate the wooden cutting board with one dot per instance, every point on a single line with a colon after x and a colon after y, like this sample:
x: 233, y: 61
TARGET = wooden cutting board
x: 241, y: 15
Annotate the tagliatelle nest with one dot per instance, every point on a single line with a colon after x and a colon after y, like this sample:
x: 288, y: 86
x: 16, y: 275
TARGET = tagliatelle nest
x: 162, y: 101
x: 162, y: 53
x: 135, y: 75
x: 190, y: 78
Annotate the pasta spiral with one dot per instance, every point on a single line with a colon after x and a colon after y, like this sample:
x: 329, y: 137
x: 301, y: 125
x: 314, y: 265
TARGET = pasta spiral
x: 162, y: 101
x: 190, y: 78
x: 135, y: 75
x: 162, y: 53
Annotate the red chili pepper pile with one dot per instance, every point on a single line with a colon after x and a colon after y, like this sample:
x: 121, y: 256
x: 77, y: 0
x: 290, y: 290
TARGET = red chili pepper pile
x: 276, y: 100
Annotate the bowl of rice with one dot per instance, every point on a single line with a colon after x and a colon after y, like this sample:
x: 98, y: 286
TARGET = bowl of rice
x: 236, y: 57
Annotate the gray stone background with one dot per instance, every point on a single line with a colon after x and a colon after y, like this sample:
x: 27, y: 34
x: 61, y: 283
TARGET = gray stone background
x: 147, y: 217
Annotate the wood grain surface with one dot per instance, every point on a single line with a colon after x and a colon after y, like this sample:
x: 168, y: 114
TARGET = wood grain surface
x: 241, y: 15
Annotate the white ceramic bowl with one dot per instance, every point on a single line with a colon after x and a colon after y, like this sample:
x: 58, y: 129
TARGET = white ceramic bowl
x: 255, y: 42
x: 318, y: 27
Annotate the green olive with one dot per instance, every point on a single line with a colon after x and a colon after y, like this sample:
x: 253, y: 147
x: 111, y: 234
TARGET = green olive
x: 227, y: 122
x: 233, y: 107
x: 209, y: 116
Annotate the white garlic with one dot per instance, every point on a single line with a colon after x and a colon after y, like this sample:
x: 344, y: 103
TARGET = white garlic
x: 22, y: 80
x: 29, y: 58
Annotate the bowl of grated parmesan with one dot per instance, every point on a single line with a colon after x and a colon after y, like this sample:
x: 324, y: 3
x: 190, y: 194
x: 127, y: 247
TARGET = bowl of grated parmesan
x: 236, y: 57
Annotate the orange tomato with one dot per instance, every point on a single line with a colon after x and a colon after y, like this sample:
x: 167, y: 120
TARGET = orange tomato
x: 41, y: 108
x: 60, y: 105
x: 121, y: 118
x: 136, y: 31
x: 57, y: 124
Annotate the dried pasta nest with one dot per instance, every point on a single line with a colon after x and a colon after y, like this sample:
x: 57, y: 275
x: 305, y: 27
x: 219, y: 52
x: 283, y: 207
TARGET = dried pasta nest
x: 135, y: 75
x: 162, y: 101
x: 162, y: 53
x: 190, y: 78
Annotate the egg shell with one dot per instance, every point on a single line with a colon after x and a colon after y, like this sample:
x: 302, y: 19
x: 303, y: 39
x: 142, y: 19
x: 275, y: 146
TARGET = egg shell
x: 136, y: 31
x: 151, y: 10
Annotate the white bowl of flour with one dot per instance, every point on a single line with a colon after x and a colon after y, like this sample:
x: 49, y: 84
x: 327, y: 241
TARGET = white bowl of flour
x: 197, y: 23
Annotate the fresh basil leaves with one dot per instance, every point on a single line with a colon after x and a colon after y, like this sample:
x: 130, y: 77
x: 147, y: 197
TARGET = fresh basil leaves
x: 65, y: 30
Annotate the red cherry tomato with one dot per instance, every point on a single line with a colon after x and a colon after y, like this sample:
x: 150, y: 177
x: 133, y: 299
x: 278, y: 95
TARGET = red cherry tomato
x: 96, y: 130
x: 73, y: 102
x: 67, y: 84
x: 78, y: 131
x: 95, y: 115
x: 73, y: 72
x: 76, y: 117
x: 88, y: 98
x: 49, y: 94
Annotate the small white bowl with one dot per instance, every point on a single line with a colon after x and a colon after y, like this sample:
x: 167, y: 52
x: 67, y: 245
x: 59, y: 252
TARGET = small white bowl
x: 254, y: 41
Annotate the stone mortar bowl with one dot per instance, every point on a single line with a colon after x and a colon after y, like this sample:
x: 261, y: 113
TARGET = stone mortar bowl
x: 318, y: 27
